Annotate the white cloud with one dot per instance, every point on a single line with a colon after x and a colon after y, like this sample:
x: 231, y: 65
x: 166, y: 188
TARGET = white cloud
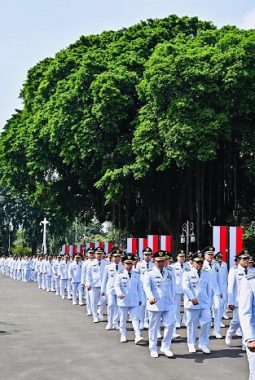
x: 248, y: 21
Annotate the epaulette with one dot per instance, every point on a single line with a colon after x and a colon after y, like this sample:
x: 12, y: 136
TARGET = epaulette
x: 169, y: 268
x: 187, y: 269
x: 206, y: 269
x: 120, y: 271
x: 250, y: 276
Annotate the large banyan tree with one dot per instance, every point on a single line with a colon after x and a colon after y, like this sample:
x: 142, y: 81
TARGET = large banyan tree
x: 146, y: 126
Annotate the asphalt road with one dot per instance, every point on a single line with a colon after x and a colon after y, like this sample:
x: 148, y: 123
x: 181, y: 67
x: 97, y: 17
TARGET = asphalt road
x: 43, y: 337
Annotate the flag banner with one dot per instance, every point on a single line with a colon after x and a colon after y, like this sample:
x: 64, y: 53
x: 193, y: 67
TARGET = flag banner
x: 153, y: 242
x: 97, y: 244
x: 65, y: 249
x: 108, y: 246
x: 90, y: 245
x: 101, y: 244
x: 220, y: 241
x: 80, y: 249
x: 142, y: 243
x: 166, y: 243
x: 235, y: 243
x: 131, y: 245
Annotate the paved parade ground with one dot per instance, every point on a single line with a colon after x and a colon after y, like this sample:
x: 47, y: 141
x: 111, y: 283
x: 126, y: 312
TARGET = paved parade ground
x: 43, y: 337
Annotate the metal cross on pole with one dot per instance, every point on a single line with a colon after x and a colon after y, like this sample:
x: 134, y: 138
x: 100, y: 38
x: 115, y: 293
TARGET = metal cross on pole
x: 44, y: 222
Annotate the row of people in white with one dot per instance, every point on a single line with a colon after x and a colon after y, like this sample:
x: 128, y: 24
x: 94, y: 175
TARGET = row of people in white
x: 100, y: 279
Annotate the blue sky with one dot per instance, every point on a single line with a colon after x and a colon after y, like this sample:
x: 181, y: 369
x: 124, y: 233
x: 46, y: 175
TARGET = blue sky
x: 31, y: 30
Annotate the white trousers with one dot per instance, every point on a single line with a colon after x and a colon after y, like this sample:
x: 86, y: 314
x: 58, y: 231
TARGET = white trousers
x: 251, y: 361
x: 57, y: 284
x: 203, y: 317
x: 88, y: 301
x: 168, y: 320
x: 77, y: 291
x: 112, y: 309
x: 177, y: 307
x: 217, y: 309
x: 65, y: 284
x: 134, y: 315
x: 235, y: 322
x: 49, y: 283
x: 95, y: 299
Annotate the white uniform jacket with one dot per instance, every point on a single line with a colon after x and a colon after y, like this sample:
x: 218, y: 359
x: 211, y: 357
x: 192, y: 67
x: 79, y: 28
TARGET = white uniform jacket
x: 234, y: 277
x: 247, y: 307
x: 178, y: 271
x: 94, y: 273
x: 63, y: 270
x: 129, y: 287
x: 75, y: 270
x: 109, y: 276
x: 162, y: 288
x: 197, y: 287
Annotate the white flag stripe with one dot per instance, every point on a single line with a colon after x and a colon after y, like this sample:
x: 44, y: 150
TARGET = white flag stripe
x: 232, y: 246
x: 216, y: 238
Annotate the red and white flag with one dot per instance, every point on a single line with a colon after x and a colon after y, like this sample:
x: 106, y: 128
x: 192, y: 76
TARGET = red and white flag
x: 131, y: 245
x: 108, y: 246
x: 153, y: 242
x: 65, y: 249
x: 235, y: 243
x: 220, y: 241
x: 142, y: 243
x: 90, y: 245
x: 80, y: 249
x: 166, y: 243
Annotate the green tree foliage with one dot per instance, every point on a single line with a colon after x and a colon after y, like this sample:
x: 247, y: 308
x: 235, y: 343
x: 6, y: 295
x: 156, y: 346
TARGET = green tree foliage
x: 146, y: 127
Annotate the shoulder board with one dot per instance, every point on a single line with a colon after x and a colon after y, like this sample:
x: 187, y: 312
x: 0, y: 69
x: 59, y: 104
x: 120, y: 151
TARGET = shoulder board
x: 169, y: 268
x: 206, y: 269
x: 187, y: 269
x: 120, y: 271
x: 250, y: 276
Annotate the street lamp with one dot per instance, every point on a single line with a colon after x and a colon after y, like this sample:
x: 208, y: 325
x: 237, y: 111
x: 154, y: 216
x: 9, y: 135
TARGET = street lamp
x: 188, y: 235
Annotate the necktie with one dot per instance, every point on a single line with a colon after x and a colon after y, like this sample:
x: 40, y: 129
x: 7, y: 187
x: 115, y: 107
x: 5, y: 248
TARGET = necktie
x: 162, y: 272
x: 99, y: 263
x: 129, y: 273
x: 199, y: 273
x: 147, y: 265
x: 116, y: 266
x: 210, y: 265
x: 181, y: 265
x: 246, y: 271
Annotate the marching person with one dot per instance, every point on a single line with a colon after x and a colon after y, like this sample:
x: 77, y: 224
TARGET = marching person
x: 197, y: 289
x: 128, y: 289
x: 75, y: 271
x: 142, y: 267
x: 63, y: 272
x: 247, y: 318
x: 159, y: 287
x: 56, y: 276
x: 94, y: 275
x: 223, y: 282
x: 235, y: 275
x: 107, y: 289
x: 90, y: 253
x: 179, y: 268
x: 49, y: 275
x: 212, y: 267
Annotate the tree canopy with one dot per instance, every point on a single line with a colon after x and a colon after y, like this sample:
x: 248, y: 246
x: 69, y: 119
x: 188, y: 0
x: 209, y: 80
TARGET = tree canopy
x: 146, y: 126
